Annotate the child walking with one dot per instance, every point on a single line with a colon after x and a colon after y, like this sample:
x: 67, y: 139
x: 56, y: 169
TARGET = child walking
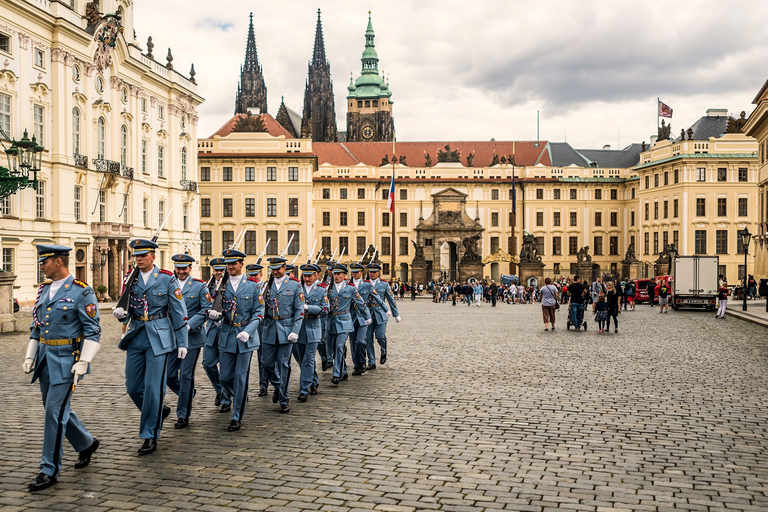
x: 601, y: 313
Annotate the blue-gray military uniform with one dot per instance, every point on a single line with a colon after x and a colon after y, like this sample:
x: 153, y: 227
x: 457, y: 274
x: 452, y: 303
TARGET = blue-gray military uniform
x: 181, y: 372
x: 311, y: 333
x: 340, y: 322
x: 158, y: 326
x: 358, y: 338
x: 325, y: 347
x: 253, y: 270
x: 211, y: 349
x: 243, y: 311
x: 379, y: 317
x: 283, y: 317
x: 60, y: 324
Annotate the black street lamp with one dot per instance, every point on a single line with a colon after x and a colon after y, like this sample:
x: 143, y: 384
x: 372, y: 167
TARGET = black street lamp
x: 104, y: 253
x: 746, y: 237
x: 24, y: 157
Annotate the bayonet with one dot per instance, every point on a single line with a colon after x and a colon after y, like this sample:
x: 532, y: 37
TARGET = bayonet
x: 282, y: 253
x: 261, y: 254
x: 309, y: 254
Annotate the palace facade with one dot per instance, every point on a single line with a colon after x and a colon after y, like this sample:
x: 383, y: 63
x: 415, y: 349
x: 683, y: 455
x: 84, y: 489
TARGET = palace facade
x: 119, y: 132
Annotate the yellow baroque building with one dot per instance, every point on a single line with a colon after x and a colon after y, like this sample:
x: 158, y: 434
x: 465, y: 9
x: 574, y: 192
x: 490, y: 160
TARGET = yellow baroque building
x: 119, y: 132
x: 694, y: 193
x: 757, y: 127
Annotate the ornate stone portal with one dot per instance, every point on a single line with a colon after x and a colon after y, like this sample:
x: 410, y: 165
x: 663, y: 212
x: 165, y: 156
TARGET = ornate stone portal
x: 448, y: 224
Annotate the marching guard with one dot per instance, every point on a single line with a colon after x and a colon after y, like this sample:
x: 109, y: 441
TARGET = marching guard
x: 255, y: 274
x: 181, y: 372
x: 242, y: 314
x: 357, y: 339
x: 64, y: 339
x: 211, y: 349
x: 311, y: 333
x: 283, y: 317
x: 380, y: 316
x: 158, y: 326
x: 341, y: 296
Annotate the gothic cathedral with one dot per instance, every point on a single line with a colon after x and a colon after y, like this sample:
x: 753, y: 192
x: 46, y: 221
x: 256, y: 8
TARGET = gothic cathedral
x: 251, y: 91
x: 319, y: 120
x: 369, y: 103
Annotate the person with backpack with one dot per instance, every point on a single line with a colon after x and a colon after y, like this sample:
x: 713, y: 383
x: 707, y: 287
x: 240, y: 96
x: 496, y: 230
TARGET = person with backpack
x: 663, y: 292
x: 549, y: 303
x: 722, y: 299
x: 631, y: 295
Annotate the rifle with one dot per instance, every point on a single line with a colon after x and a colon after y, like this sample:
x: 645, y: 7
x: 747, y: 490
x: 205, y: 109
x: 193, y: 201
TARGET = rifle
x: 188, y: 247
x: 360, y: 261
x: 128, y: 284
x: 309, y: 254
x: 373, y: 258
x: 282, y: 253
x: 318, y: 256
x: 272, y: 276
x: 328, y: 266
x: 261, y: 254
x: 218, y: 302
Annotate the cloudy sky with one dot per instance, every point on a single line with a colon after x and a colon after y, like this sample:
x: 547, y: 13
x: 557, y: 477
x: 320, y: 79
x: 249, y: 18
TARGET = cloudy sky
x: 464, y: 70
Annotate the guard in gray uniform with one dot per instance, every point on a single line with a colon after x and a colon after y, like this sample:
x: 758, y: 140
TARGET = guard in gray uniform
x: 255, y: 274
x: 325, y: 347
x: 358, y: 337
x: 311, y: 333
x: 341, y: 296
x: 64, y: 339
x: 211, y: 349
x: 157, y: 328
x: 380, y: 316
x: 181, y: 372
x: 283, y: 316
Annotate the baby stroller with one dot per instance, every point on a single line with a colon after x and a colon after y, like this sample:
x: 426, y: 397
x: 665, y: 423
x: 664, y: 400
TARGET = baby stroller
x: 570, y: 323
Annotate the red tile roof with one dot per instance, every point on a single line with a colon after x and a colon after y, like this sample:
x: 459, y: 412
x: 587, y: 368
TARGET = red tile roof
x: 526, y: 153
x: 273, y: 127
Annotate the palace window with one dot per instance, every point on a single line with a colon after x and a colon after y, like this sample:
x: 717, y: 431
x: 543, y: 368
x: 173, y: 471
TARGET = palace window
x: 160, y: 161
x: 556, y: 218
x: 205, y: 206
x: 145, y: 205
x: 101, y: 138
x: 557, y: 246
x: 495, y: 219
x: 183, y: 164
x: 361, y: 193
x: 272, y: 246
x: 742, y: 174
x: 342, y: 218
x: 293, y: 206
x: 206, y: 243
x: 326, y: 218
x: 573, y: 245
x: 647, y: 243
x: 250, y: 242
x: 743, y: 211
x: 539, y: 218
x: 666, y: 209
x: 385, y: 219
x: 722, y: 207
x: 494, y: 194
x: 75, y: 127
x: 614, y: 219
x: 342, y: 193
x: 539, y: 193
x: 250, y: 206
x: 227, y: 173
x: 677, y: 175
x: 722, y: 174
x: 226, y: 210
x: 656, y: 242
x: 598, y: 218
x: 403, y: 194
x: 326, y: 193
x: 556, y: 193
x: 674, y: 208
x: 655, y: 210
x: 385, y: 246
x: 701, y: 174
x: 656, y: 180
x: 598, y: 193
x: 271, y: 207
x: 403, y: 219
x: 361, y: 218
x: 573, y: 218
x: 205, y: 173
x: 614, y: 194
x: 613, y: 246
x: 293, y: 174
x: 227, y: 239
x: 647, y: 211
x: 403, y: 246
x: 721, y: 241
x: 5, y: 43
x: 325, y: 243
x: 343, y: 244
x: 632, y: 218
x: 250, y: 174
x: 598, y: 240
x: 295, y: 244
x: 701, y: 207
x: 385, y: 194
x: 124, y: 149
x: 700, y: 241
x: 144, y: 156
x: 271, y: 173
x: 573, y: 193
x: 666, y: 177
x: 78, y: 204
x: 362, y: 246
x: 40, y: 200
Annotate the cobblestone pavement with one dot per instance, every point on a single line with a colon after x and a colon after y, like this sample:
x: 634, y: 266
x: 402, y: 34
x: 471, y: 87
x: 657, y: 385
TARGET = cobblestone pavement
x: 476, y: 408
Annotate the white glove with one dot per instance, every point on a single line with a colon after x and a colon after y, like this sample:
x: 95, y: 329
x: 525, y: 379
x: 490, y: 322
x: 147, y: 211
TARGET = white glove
x: 123, y: 335
x: 29, y: 358
x: 397, y: 319
x: 27, y: 365
x: 306, y: 307
x: 293, y: 337
x: 218, y: 324
x: 188, y: 327
x: 368, y: 322
x: 244, y: 337
x: 213, y: 314
x: 181, y: 353
x: 79, y: 369
x: 119, y: 313
x: 389, y: 313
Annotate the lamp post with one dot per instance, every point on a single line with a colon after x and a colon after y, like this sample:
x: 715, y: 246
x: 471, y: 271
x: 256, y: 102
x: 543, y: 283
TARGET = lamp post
x: 746, y: 237
x: 24, y: 156
x: 103, y: 262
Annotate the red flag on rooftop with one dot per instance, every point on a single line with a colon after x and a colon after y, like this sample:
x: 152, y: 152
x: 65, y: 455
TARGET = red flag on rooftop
x: 664, y: 110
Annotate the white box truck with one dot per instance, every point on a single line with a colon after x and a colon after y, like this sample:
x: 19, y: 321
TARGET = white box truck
x: 695, y: 282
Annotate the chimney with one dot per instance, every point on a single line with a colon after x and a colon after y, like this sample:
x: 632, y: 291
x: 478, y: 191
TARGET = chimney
x: 607, y: 146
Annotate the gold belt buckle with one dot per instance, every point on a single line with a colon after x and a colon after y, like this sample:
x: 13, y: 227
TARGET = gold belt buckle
x: 144, y: 318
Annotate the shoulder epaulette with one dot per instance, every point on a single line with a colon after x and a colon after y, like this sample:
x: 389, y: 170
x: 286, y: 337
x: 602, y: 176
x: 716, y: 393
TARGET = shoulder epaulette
x: 44, y: 283
x: 351, y: 284
x: 168, y: 272
x: 253, y: 279
x: 383, y: 281
x: 323, y: 285
x: 294, y: 279
x: 198, y: 280
x: 367, y: 280
x: 80, y: 283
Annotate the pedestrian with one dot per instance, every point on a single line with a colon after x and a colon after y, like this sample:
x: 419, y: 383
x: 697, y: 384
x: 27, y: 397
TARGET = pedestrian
x: 752, y: 285
x: 549, y: 303
x: 494, y: 290
x: 662, y: 291
x: 181, y: 372
x: 597, y: 289
x: 63, y: 341
x: 613, y: 307
x: 651, y: 289
x: 283, y: 316
x: 601, y: 312
x: 158, y: 327
x: 722, y: 298
x: 631, y: 295
x: 478, y: 291
x: 576, y: 296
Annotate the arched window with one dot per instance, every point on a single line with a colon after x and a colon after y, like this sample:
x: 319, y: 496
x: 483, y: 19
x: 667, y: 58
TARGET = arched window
x: 375, y: 103
x: 367, y: 103
x: 75, y: 130
x: 124, y: 145
x: 101, y: 138
x: 185, y: 212
x: 183, y: 164
x: 359, y: 104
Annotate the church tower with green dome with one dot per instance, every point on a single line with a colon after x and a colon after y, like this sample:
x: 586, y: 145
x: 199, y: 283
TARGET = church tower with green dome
x: 369, y: 102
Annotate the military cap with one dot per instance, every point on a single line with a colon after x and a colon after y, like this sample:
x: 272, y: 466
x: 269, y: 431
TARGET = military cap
x: 254, y: 268
x: 182, y: 260
x: 309, y: 268
x: 276, y: 262
x: 339, y: 268
x: 232, y: 255
x: 356, y: 267
x: 46, y: 251
x: 374, y: 266
x: 218, y: 264
x: 141, y: 246
x: 289, y: 267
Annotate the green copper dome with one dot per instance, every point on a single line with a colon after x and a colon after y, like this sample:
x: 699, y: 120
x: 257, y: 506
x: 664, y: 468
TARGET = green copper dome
x: 369, y: 84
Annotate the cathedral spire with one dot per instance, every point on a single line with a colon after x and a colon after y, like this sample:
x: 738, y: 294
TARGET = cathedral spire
x: 251, y: 91
x: 318, y: 54
x: 319, y: 119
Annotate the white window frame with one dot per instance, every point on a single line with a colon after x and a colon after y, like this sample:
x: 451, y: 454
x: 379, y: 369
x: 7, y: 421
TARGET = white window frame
x: 76, y: 124
x: 101, y: 138
x: 6, y: 114
x: 160, y: 161
x: 78, y: 210
x: 38, y: 123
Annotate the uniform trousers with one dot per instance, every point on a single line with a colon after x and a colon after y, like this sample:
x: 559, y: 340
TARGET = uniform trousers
x: 181, y: 380
x: 305, y: 356
x: 235, y: 373
x: 340, y: 352
x: 277, y: 364
x: 380, y: 330
x: 210, y: 364
x: 358, y: 341
x: 145, y: 381
x: 60, y: 422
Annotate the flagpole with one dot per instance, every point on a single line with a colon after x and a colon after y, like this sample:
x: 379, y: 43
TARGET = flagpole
x: 512, y: 266
x: 658, y: 100
x: 393, y: 245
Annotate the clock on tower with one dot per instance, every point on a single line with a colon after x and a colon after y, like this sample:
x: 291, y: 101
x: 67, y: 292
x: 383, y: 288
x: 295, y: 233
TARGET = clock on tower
x: 367, y: 132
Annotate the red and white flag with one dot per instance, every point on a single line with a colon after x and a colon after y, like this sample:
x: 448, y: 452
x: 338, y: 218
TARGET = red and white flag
x: 391, y: 200
x: 664, y: 110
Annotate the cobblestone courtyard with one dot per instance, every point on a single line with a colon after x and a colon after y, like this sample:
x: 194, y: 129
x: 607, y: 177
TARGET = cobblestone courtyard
x: 476, y: 408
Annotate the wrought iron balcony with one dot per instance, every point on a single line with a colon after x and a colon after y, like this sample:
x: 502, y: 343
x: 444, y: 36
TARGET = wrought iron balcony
x: 81, y: 161
x: 127, y: 172
x: 188, y: 185
x: 108, y: 166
